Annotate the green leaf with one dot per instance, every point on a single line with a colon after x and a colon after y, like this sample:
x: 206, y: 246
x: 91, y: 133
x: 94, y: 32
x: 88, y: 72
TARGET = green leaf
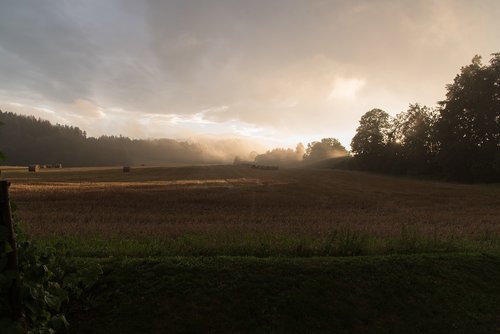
x: 34, y: 292
x: 56, y: 290
x: 59, y: 322
x: 53, y: 302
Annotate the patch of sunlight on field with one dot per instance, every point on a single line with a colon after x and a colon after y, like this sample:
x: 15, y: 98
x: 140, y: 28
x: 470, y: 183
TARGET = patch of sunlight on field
x: 193, y: 183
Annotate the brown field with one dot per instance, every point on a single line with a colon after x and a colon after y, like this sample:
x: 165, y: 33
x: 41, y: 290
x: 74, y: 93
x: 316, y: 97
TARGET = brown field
x: 233, y: 202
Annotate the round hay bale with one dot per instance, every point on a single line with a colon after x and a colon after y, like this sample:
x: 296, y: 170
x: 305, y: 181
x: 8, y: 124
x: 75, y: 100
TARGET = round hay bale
x: 33, y: 168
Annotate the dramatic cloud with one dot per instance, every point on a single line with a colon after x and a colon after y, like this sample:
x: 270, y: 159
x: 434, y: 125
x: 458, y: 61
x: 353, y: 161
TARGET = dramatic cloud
x: 278, y: 71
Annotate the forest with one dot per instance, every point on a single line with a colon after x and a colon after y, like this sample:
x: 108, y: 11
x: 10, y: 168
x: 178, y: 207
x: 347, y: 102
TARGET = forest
x: 27, y: 140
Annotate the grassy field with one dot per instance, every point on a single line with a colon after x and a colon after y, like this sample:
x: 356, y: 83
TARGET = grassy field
x: 230, y: 249
x: 391, y: 294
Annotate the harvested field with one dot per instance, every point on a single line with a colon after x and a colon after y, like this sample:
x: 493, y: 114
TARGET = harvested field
x: 258, y: 211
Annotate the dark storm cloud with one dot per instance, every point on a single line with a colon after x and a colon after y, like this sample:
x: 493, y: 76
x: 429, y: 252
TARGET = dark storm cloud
x: 43, y: 51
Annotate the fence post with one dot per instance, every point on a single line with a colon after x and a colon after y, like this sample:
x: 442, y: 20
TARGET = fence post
x: 12, y: 257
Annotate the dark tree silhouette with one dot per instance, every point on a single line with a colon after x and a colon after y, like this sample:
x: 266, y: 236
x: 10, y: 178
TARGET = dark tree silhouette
x: 281, y: 156
x: 369, y: 144
x: 324, y: 149
x: 469, y: 126
x: 412, y: 141
x: 459, y: 141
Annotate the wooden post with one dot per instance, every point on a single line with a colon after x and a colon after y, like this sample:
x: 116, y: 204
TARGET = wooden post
x: 12, y: 258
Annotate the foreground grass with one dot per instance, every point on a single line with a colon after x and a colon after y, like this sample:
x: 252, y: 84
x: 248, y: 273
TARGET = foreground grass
x: 338, y: 242
x: 448, y: 293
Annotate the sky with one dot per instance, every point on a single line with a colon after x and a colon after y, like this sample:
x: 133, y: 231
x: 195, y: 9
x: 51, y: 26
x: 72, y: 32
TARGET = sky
x: 272, y: 72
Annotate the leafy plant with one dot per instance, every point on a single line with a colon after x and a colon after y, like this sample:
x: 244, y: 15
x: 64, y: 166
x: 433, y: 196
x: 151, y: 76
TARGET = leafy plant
x: 47, y: 281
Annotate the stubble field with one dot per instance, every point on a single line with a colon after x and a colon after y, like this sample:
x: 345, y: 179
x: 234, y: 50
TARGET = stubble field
x: 236, y: 210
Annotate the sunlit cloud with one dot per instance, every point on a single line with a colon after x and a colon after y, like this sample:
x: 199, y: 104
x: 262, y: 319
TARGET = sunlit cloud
x: 346, y: 88
x: 86, y: 108
x: 15, y: 104
x: 44, y: 109
x: 246, y: 130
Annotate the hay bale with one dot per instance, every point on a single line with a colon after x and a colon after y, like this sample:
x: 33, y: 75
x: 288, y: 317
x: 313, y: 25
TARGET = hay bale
x: 126, y: 169
x: 33, y: 168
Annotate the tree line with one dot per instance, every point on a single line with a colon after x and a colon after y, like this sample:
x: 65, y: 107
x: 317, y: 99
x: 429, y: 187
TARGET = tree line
x: 316, y: 151
x: 27, y: 140
x: 457, y: 140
